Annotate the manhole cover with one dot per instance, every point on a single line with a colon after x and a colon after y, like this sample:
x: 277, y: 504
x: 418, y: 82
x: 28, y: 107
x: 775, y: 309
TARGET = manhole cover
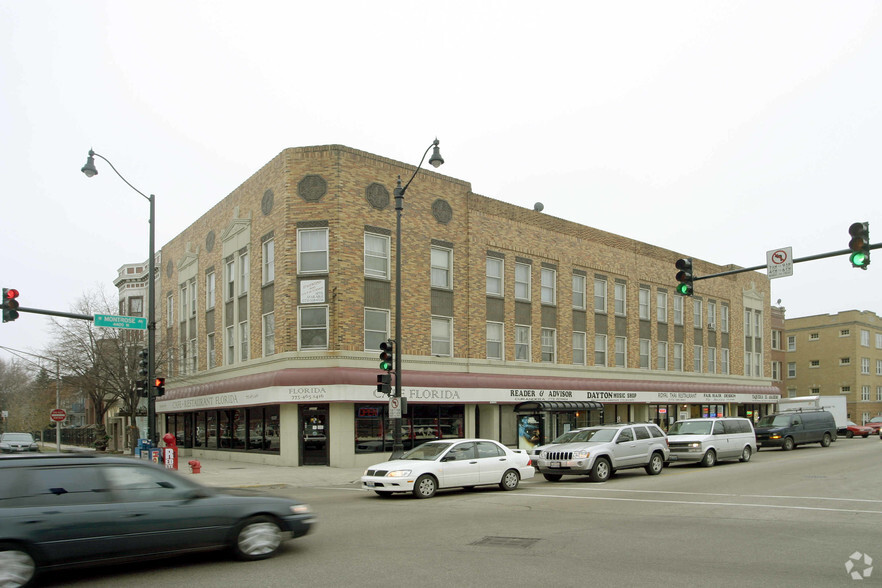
x: 522, y: 542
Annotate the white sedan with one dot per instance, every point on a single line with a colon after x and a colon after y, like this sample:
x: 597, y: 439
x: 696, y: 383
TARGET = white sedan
x: 451, y: 463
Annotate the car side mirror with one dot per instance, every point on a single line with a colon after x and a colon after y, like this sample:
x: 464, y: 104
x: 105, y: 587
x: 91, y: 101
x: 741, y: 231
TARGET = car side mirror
x: 448, y: 458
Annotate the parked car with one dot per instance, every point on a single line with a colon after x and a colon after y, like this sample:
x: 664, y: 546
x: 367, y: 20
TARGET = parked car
x: 853, y: 429
x: 598, y: 452
x: 449, y: 463
x: 789, y: 429
x: 875, y: 424
x: 18, y: 443
x: 65, y: 510
x: 708, y: 440
x: 563, y: 438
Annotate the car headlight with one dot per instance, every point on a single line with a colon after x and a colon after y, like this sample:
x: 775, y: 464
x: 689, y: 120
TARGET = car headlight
x: 398, y: 474
x: 300, y: 509
x: 775, y: 436
x: 694, y: 446
x: 581, y: 453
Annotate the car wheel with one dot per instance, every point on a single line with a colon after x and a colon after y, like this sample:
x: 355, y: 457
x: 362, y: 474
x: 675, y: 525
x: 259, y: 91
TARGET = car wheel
x: 788, y: 444
x: 510, y: 480
x: 709, y: 459
x: 746, y: 453
x: 257, y: 538
x: 656, y: 464
x: 553, y: 477
x: 601, y: 470
x: 865, y: 435
x: 827, y: 440
x: 849, y: 434
x: 17, y: 567
x: 425, y: 486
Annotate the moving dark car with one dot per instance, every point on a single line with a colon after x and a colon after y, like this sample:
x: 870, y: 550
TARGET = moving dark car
x: 64, y: 510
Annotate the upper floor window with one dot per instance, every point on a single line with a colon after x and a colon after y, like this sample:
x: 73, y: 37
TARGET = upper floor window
x: 522, y: 281
x: 269, y: 261
x: 579, y: 283
x: 724, y: 319
x: 549, y: 345
x: 600, y: 295
x: 878, y: 340
x: 814, y: 336
x: 495, y: 345
x: 697, y: 313
x: 600, y: 350
x: 776, y: 339
x: 376, y: 328
x: 791, y: 342
x: 844, y: 332
x: 643, y: 297
x: 442, y: 268
x: 185, y: 302
x: 548, y: 292
x: 170, y: 311
x: 230, y: 280
x: 244, y: 272
x: 522, y: 343
x: 193, y: 297
x: 495, y: 269
x: 312, y: 251
x: 661, y: 307
x: 442, y: 336
x: 579, y: 347
x: 865, y: 338
x: 209, y: 291
x: 313, y: 327
x: 621, y: 301
x: 376, y: 256
x: 621, y: 351
x: 711, y: 315
x: 678, y: 309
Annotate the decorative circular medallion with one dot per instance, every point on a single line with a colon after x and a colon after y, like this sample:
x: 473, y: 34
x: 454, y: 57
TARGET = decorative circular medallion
x: 441, y: 211
x: 169, y: 268
x: 377, y: 196
x: 266, y: 205
x: 209, y: 241
x: 312, y: 188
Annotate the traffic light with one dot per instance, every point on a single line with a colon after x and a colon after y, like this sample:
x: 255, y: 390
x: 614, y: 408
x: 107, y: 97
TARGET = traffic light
x: 384, y: 383
x: 684, y: 276
x: 10, y: 304
x: 859, y: 245
x: 159, y: 386
x: 144, y: 362
x: 141, y: 388
x: 387, y: 355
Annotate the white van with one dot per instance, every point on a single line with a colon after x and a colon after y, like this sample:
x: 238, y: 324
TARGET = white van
x: 708, y: 440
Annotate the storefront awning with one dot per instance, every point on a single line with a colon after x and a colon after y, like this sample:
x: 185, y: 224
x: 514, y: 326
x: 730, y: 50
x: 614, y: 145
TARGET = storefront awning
x: 556, y: 406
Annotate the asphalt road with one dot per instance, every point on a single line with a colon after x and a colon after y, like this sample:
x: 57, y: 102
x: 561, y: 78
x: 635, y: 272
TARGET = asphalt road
x: 783, y: 519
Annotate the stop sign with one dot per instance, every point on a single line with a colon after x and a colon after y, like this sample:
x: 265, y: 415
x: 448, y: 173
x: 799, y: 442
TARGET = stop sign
x: 58, y: 414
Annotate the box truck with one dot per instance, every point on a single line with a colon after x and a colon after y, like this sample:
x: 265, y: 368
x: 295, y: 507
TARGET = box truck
x: 836, y: 405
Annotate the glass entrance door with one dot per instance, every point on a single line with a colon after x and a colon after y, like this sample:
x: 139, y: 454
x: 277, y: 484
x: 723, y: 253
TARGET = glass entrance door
x: 314, y: 434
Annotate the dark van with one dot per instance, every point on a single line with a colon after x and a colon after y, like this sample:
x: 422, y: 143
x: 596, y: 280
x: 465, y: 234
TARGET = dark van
x: 789, y: 429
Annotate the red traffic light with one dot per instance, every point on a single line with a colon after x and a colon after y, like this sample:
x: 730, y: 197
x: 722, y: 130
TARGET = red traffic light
x: 10, y: 304
x: 159, y: 382
x: 10, y: 293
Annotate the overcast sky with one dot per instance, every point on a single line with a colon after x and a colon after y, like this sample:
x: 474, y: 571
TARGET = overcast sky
x: 719, y: 130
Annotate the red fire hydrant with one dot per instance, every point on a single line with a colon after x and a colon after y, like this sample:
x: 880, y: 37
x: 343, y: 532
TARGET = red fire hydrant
x: 195, y: 466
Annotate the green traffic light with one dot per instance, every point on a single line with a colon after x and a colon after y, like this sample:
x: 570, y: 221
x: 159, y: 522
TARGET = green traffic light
x: 859, y: 259
x: 385, y: 365
x: 684, y: 289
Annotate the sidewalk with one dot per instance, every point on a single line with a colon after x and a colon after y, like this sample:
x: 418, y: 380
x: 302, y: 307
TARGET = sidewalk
x: 233, y: 474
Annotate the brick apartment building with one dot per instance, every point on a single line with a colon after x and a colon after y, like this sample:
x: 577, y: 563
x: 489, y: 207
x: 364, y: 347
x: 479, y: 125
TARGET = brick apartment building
x: 516, y: 325
x: 837, y: 354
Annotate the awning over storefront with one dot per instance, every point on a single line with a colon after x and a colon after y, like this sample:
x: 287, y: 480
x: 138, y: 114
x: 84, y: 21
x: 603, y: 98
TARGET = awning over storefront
x: 556, y: 406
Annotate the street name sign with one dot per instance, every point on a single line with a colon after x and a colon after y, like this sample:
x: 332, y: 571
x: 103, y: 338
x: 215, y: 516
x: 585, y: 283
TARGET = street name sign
x: 120, y: 322
x: 779, y: 262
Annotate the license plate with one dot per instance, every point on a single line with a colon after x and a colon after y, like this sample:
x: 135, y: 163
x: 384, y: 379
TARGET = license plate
x: 554, y: 464
x: 369, y: 484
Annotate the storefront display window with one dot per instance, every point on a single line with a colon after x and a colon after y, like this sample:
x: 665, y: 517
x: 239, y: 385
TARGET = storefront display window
x: 374, y: 428
x: 246, y: 429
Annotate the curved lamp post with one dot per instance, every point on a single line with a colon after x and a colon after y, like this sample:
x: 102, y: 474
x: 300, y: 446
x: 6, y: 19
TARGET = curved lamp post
x: 90, y: 170
x: 436, y: 160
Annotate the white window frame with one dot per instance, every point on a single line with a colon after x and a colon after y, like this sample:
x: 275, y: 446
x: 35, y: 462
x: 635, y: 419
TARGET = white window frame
x: 645, y: 359
x: 620, y: 352
x: 580, y: 347
x: 211, y: 358
x: 548, y: 286
x: 185, y: 301
x: 644, y: 309
x: 441, y: 335
x: 312, y: 251
x: 244, y: 341
x: 865, y: 366
x: 791, y: 342
x: 379, y: 335
x: 698, y: 313
x: 620, y: 292
x: 791, y: 369
x: 711, y: 360
x: 495, y: 340
x: 268, y: 333
x: 523, y: 336
x: 711, y: 315
x: 441, y: 262
x: 170, y: 311
x: 678, y: 357
x: 776, y: 371
x: 210, y: 292
x: 268, y: 274
x: 661, y: 355
x: 724, y: 361
x: 377, y: 260
x: 229, y: 280
x: 193, y: 297
x: 300, y: 330
x: 878, y: 340
x: 495, y: 274
x: 678, y: 309
x: 724, y: 318
x: 661, y: 307
x: 580, y: 283
x: 601, y: 350
x: 601, y: 292
x: 698, y: 359
x: 879, y: 367
x: 865, y: 338
x: 229, y: 345
x: 522, y: 285
x: 549, y: 345
x: 244, y: 273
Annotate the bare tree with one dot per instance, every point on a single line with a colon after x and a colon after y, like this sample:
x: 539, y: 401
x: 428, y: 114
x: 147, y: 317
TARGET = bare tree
x: 19, y: 400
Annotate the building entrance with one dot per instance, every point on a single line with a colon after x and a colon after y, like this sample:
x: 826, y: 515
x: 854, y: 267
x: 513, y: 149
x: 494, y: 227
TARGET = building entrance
x: 314, y: 434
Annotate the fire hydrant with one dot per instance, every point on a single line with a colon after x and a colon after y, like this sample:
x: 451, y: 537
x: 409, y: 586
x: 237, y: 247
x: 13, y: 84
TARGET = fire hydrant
x: 195, y: 466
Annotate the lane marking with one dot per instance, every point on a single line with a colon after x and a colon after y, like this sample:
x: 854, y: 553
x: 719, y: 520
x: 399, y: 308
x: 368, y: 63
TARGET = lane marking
x: 870, y: 500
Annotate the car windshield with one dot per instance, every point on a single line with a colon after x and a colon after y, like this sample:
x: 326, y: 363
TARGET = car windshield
x: 17, y: 437
x: 691, y: 428
x: 876, y: 420
x: 774, y: 420
x: 594, y: 436
x: 566, y: 436
x: 427, y: 451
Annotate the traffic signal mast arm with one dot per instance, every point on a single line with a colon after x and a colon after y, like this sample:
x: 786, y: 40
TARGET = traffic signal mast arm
x: 797, y: 260
x: 85, y: 317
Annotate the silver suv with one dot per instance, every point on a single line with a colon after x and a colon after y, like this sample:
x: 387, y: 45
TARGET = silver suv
x: 599, y: 451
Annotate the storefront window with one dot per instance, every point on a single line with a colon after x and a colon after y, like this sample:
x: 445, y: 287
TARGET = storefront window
x: 374, y: 428
x: 713, y: 410
x: 211, y: 430
x: 663, y: 415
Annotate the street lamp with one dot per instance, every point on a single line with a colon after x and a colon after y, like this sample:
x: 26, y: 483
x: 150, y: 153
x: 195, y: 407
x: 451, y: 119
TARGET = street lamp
x: 90, y: 170
x: 436, y: 160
